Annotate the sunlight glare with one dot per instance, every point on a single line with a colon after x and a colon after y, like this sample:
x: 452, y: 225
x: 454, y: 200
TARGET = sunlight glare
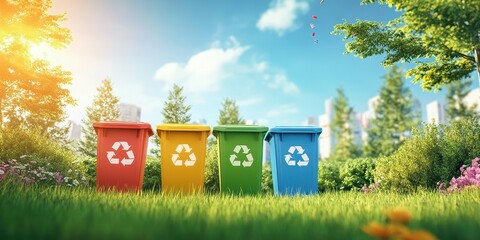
x: 45, y: 52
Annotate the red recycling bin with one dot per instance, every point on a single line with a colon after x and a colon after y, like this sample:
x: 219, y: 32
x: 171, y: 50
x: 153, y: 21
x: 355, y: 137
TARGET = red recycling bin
x: 121, y: 153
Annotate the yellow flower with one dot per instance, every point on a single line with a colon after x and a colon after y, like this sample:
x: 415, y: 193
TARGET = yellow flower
x: 419, y: 235
x: 398, y: 230
x: 376, y: 229
x: 399, y: 215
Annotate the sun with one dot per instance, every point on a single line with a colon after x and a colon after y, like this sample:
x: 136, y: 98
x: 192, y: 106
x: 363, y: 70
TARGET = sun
x: 45, y: 52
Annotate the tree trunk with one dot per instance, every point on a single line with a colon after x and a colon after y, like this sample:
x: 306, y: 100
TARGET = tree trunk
x: 476, y: 53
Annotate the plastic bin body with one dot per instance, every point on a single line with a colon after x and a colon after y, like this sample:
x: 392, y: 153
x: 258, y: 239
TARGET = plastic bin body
x: 294, y: 159
x: 121, y: 154
x: 240, y: 155
x: 183, y: 150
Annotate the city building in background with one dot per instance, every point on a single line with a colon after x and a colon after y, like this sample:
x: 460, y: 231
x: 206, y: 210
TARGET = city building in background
x: 435, y: 113
x: 74, y: 131
x: 327, y: 140
x: 129, y: 112
x: 473, y: 98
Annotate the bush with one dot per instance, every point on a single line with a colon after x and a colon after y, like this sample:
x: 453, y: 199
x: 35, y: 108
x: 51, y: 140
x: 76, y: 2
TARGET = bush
x: 329, y: 175
x: 152, y: 178
x: 212, y: 180
x: 460, y: 144
x: 470, y: 178
x: 25, y: 146
x: 357, y: 173
x: 267, y: 179
x: 433, y: 153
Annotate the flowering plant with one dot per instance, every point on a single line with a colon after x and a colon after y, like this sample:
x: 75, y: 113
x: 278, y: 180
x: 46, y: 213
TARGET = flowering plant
x: 29, y: 171
x: 470, y: 177
x: 396, y: 227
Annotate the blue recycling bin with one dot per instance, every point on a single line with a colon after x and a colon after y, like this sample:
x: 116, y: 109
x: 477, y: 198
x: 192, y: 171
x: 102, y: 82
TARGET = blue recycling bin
x: 294, y: 159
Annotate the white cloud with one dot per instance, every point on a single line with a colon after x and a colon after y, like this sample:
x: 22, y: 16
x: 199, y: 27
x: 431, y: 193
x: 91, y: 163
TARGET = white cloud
x: 285, y: 109
x: 261, y: 67
x: 280, y: 81
x: 204, y: 71
x: 281, y: 16
x: 250, y: 101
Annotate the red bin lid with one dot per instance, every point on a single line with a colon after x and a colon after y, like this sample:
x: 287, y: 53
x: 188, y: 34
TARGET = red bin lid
x: 124, y: 125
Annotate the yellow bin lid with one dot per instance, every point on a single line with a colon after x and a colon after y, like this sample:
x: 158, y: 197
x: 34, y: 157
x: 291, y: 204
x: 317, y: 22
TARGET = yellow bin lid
x: 183, y: 127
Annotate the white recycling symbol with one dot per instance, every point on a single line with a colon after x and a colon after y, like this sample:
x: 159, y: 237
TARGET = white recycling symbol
x: 125, y: 161
x: 178, y: 162
x: 249, y: 158
x: 300, y: 151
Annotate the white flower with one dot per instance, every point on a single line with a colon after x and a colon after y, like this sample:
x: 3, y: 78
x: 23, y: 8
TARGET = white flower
x: 69, y: 170
x: 75, y: 182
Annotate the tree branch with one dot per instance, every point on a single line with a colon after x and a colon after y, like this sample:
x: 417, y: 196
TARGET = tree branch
x: 470, y: 58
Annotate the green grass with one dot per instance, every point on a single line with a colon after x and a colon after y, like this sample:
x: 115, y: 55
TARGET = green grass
x: 60, y: 213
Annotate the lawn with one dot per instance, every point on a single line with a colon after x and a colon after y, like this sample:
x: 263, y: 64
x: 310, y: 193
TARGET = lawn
x: 62, y: 213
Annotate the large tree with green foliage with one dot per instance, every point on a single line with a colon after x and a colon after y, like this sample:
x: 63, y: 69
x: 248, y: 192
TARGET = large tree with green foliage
x: 103, y: 108
x: 33, y: 93
x: 441, y: 37
x: 175, y: 110
x: 394, y: 118
x: 229, y: 113
x: 456, y: 106
x: 341, y: 126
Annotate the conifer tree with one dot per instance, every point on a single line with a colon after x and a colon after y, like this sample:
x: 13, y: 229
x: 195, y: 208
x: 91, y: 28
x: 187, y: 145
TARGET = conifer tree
x: 103, y: 108
x: 175, y: 110
x: 456, y: 106
x: 394, y: 116
x: 345, y: 147
x: 229, y: 113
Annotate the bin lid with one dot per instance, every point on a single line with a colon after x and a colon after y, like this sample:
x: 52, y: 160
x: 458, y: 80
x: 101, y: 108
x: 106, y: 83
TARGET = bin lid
x: 292, y: 129
x: 183, y: 127
x: 124, y: 125
x: 239, y: 128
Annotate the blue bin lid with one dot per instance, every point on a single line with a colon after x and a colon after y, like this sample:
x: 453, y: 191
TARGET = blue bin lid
x: 292, y: 129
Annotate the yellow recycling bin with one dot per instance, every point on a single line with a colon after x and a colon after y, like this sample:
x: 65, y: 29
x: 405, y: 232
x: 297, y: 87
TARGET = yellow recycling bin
x: 183, y: 150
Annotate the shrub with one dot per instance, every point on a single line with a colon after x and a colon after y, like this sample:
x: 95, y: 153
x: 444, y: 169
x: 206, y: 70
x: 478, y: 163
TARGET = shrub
x: 30, y: 171
x: 267, y: 179
x: 212, y: 180
x: 329, y: 175
x: 460, y: 144
x: 31, y: 145
x: 470, y: 177
x: 152, y: 178
x: 432, y: 154
x: 412, y: 165
x: 356, y: 173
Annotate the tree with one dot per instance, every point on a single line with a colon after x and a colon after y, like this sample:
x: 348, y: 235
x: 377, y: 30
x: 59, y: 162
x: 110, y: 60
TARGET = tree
x: 32, y: 92
x: 442, y: 39
x: 229, y: 113
x: 174, y: 111
x: 394, y: 116
x: 456, y: 106
x: 341, y: 125
x: 103, y: 108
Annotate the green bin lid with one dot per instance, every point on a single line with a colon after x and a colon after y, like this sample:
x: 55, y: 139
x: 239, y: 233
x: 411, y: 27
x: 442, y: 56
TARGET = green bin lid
x: 292, y: 129
x: 183, y: 127
x: 239, y: 128
x: 124, y: 125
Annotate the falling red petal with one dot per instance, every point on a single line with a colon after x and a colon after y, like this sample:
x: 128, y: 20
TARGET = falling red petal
x: 313, y: 34
x: 314, y: 17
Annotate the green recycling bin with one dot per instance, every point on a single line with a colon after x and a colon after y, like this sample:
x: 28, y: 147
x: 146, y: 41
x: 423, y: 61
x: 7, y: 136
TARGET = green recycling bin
x: 240, y: 155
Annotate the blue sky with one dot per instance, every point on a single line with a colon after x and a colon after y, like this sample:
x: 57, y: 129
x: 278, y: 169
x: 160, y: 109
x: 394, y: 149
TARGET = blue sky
x: 260, y: 53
